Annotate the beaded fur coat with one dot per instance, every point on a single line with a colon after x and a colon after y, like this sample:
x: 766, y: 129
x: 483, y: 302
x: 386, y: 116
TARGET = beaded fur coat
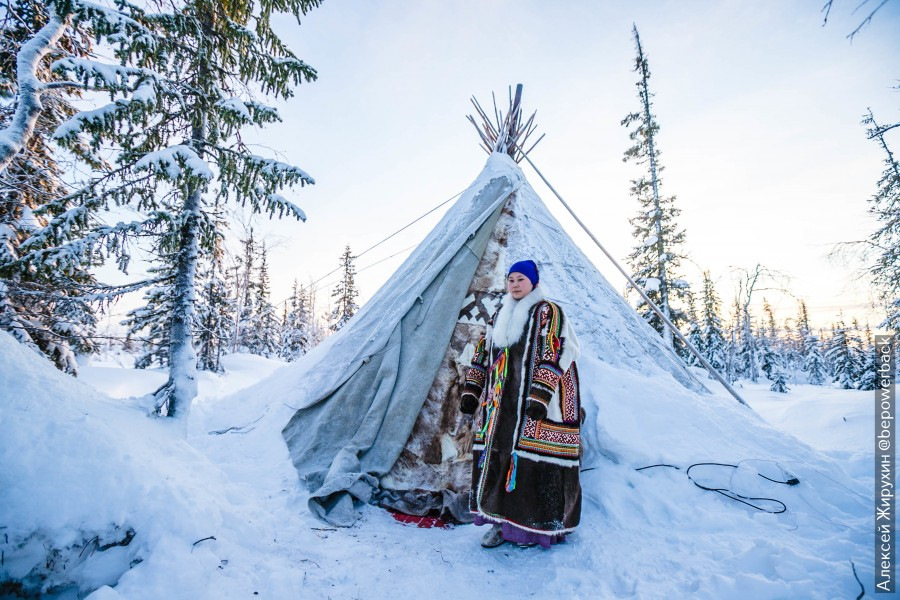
x: 522, y: 387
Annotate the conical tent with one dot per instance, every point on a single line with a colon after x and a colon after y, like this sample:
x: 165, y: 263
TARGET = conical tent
x: 379, y: 416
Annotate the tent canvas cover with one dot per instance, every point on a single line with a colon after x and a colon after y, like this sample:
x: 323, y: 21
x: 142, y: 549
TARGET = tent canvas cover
x: 378, y: 419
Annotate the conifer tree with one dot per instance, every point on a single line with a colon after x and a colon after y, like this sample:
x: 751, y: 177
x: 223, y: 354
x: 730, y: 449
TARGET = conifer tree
x: 803, y: 320
x: 732, y: 366
x: 345, y: 293
x: 656, y: 260
x: 771, y: 358
x: 695, y: 337
x: 149, y: 324
x: 791, y: 345
x: 318, y: 331
x: 748, y: 352
x: 714, y: 344
x: 181, y: 93
x: 44, y: 305
x: 214, y: 311
x: 810, y: 359
x: 868, y: 374
x: 814, y: 363
x: 245, y: 312
x: 857, y: 350
x: 771, y: 330
x: 298, y: 335
x: 768, y: 358
x: 263, y: 337
x: 885, y: 207
x: 779, y: 379
x: 839, y: 354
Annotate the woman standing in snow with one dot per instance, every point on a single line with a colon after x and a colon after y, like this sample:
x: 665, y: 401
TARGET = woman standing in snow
x: 522, y: 388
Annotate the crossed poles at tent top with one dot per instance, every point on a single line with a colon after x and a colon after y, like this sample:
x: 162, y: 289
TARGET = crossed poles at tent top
x: 506, y: 133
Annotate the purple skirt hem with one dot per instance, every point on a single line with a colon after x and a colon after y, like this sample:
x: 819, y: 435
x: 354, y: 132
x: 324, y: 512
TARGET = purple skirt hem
x: 513, y: 534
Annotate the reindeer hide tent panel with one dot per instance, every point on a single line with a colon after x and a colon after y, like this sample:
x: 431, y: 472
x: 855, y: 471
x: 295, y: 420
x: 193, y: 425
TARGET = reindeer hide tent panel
x: 343, y: 440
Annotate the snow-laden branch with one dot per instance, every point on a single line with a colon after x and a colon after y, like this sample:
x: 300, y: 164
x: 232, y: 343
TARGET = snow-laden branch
x: 14, y: 137
x: 280, y: 204
x: 172, y: 160
x: 276, y: 168
x: 104, y: 75
x: 245, y: 112
x: 109, y: 16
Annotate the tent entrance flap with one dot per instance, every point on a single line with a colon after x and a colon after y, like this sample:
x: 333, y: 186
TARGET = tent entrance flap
x: 433, y: 473
x: 342, y: 444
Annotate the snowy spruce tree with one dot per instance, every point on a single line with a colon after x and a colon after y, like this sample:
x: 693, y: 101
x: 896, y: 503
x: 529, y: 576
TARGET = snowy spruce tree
x: 45, y: 305
x: 868, y: 372
x: 149, y: 325
x: 180, y: 97
x: 214, y: 308
x: 298, y: 328
x: 772, y: 359
x: 747, y: 352
x: 812, y: 361
x: 841, y: 357
x: 791, y: 345
x: 857, y: 350
x: 263, y: 337
x: 345, y: 293
x: 656, y: 259
x: 732, y: 366
x: 767, y: 342
x: 245, y: 308
x: 695, y: 337
x: 258, y: 328
x: 885, y: 207
x: 715, y: 346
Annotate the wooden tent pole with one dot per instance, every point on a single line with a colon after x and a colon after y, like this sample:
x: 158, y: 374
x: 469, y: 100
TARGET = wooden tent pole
x: 650, y: 302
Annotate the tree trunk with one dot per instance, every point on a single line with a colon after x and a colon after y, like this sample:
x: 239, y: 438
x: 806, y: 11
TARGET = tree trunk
x: 174, y: 398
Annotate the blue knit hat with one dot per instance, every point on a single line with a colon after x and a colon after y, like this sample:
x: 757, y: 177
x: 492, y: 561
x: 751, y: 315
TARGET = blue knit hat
x: 527, y: 268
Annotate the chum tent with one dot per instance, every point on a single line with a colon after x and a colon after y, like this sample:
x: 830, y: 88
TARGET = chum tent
x: 380, y: 421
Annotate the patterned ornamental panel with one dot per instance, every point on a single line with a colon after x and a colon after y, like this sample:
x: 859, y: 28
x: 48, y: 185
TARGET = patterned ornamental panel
x: 479, y: 306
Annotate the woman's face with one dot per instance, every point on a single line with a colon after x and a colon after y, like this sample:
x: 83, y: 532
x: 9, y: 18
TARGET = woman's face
x: 518, y: 285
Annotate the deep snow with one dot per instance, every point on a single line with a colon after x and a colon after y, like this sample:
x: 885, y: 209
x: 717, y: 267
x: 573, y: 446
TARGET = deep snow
x: 77, y: 463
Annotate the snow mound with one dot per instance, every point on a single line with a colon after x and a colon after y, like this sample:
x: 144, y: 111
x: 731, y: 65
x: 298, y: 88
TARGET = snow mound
x: 95, y: 493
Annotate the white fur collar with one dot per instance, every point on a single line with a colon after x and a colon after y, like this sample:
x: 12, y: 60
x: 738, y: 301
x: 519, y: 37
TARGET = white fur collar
x: 513, y: 317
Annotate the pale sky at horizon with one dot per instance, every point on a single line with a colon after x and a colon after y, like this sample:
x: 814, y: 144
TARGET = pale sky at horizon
x: 759, y: 107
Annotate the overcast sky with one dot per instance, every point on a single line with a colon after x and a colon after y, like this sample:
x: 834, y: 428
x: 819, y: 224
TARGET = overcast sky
x: 759, y: 107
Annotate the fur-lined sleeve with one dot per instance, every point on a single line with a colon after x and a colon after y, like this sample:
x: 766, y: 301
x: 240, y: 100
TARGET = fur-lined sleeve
x: 475, y: 378
x: 558, y: 349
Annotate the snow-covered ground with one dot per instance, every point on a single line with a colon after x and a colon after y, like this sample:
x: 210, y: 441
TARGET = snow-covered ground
x: 223, y: 515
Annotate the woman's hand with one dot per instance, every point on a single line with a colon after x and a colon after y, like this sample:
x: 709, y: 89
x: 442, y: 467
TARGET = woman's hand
x: 535, y: 409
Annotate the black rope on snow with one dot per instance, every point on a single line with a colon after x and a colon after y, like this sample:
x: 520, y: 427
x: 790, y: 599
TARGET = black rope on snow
x: 728, y: 493
x: 862, y: 588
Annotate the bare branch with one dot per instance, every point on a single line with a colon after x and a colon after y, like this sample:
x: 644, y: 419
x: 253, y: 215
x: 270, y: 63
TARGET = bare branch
x: 827, y: 10
x: 867, y: 20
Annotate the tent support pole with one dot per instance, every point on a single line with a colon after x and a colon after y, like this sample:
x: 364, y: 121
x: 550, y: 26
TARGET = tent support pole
x: 650, y: 302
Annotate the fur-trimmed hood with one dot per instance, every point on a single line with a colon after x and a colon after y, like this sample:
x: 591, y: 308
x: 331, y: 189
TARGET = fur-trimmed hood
x: 513, y: 317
